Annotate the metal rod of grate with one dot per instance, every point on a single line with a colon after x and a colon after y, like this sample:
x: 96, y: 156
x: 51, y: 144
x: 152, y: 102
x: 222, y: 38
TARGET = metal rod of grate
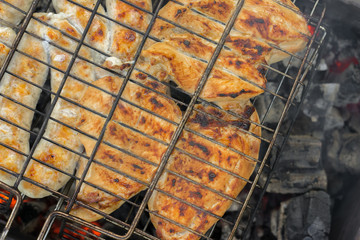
x: 72, y: 226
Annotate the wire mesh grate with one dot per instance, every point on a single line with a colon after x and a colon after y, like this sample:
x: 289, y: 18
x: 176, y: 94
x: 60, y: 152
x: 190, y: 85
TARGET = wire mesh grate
x: 289, y: 81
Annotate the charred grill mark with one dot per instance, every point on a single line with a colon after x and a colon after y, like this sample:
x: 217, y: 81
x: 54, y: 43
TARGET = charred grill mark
x: 235, y: 94
x: 238, y: 63
x: 241, y: 124
x: 186, y: 43
x: 122, y: 108
x: 251, y: 21
x: 142, y: 120
x: 249, y: 47
x: 173, y: 181
x: 125, y: 65
x: 200, y: 119
x: 180, y: 12
x: 277, y: 29
x: 156, y: 103
x: 249, y: 110
x: 100, y: 32
x: 138, y: 95
x: 130, y: 36
x: 201, y: 147
x: 182, y: 210
x: 110, y: 155
x: 141, y: 76
x: 137, y: 166
x: 193, y: 194
x: 259, y: 49
x: 113, y: 130
x: 211, y: 176
x: 215, y: 6
x: 261, y: 25
x: 154, y: 85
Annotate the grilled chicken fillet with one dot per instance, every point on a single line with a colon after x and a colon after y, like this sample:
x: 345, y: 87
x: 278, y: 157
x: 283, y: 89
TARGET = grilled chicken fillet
x: 23, y: 92
x: 112, y: 169
x: 223, y: 129
x: 124, y: 42
x: 98, y: 33
x: 168, y: 63
x: 64, y: 111
x: 261, y: 20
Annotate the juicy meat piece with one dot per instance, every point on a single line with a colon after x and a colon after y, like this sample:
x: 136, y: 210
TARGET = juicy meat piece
x: 23, y: 92
x: 98, y: 33
x: 64, y: 111
x: 114, y: 169
x: 186, y: 72
x: 259, y: 20
x: 244, y: 47
x: 223, y: 129
x: 123, y: 41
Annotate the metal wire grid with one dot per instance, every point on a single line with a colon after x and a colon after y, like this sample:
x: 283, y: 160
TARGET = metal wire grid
x: 131, y: 224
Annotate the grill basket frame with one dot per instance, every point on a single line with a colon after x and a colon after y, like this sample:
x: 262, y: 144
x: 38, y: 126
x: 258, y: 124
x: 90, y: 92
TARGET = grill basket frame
x: 256, y: 185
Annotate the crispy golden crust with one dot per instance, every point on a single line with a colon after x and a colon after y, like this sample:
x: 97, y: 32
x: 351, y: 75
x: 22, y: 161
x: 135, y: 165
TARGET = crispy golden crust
x: 12, y: 15
x: 200, y: 172
x: 122, y: 137
x: 243, y: 47
x: 259, y: 21
x: 272, y: 22
x: 186, y: 72
x: 98, y: 33
x: 123, y: 41
x: 64, y: 111
x: 24, y: 93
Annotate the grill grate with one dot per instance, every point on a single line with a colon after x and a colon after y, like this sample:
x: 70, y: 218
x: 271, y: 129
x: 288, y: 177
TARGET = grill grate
x: 132, y: 220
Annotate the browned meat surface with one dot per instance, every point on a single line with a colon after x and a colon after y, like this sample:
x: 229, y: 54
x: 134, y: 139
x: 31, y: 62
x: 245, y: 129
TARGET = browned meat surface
x: 124, y: 138
x: 226, y: 132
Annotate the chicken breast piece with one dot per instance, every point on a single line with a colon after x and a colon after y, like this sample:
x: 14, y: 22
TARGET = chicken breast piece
x: 225, y: 132
x: 167, y: 63
x: 113, y: 170
x: 98, y: 33
x: 64, y: 111
x: 244, y: 47
x: 23, y: 92
x: 261, y: 20
x: 11, y: 15
x: 7, y: 36
x: 124, y: 42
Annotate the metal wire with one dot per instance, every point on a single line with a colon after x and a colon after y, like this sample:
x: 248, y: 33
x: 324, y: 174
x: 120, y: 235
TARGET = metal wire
x: 140, y: 208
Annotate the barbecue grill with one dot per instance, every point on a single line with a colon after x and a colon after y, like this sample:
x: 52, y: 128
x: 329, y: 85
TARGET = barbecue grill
x: 133, y: 222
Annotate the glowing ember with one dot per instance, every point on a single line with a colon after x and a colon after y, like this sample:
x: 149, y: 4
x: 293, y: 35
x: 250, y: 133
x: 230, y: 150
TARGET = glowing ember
x: 77, y: 233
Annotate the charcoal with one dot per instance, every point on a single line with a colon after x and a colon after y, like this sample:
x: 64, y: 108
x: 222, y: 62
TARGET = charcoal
x: 350, y: 87
x: 345, y: 223
x: 342, y: 154
x: 308, y: 216
x: 320, y: 99
x: 354, y: 122
x: 299, y: 167
x: 263, y: 102
x: 349, y: 154
x: 298, y: 182
x: 333, y: 120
